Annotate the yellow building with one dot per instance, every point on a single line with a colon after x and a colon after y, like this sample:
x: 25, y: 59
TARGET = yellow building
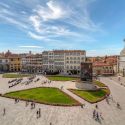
x: 14, y: 63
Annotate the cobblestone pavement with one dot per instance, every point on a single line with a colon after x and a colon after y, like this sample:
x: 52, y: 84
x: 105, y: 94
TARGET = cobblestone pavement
x: 18, y: 114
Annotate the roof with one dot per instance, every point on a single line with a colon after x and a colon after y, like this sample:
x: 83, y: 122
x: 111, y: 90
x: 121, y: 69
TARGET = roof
x: 99, y: 64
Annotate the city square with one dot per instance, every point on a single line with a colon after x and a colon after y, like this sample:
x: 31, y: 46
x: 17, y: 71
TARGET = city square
x: 62, y: 115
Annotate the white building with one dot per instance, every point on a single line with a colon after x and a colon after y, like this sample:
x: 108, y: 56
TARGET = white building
x: 122, y: 61
x: 63, y: 61
x: 4, y: 64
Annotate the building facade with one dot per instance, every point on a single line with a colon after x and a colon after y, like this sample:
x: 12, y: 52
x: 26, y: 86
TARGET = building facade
x: 4, y: 64
x: 14, y: 63
x: 32, y: 63
x: 121, y: 62
x: 63, y: 61
x: 100, y: 68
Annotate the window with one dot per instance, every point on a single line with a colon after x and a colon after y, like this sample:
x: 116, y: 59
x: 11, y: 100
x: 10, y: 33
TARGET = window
x: 67, y: 67
x: 71, y: 62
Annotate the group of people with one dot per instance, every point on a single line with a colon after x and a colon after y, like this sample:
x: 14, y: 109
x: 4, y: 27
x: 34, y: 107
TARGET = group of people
x: 46, y: 81
x: 97, y: 115
x: 37, y: 80
x: 16, y: 101
x: 12, y: 81
x: 108, y: 98
x: 119, y: 80
x: 30, y: 80
x: 33, y: 105
x: 16, y: 82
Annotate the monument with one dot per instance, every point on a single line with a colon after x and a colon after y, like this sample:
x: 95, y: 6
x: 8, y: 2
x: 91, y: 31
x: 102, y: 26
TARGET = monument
x: 86, y: 80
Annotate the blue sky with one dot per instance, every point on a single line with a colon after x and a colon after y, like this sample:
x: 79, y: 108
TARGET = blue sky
x: 97, y: 26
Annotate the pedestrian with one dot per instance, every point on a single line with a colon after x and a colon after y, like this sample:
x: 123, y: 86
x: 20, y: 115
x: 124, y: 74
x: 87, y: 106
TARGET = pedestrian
x: 50, y: 123
x: 97, y: 116
x: 27, y: 103
x: 107, y: 100
x: 4, y: 111
x: 39, y: 112
x: 34, y: 105
x: 94, y: 113
x: 101, y: 116
x: 61, y: 87
x: 15, y: 101
x: 83, y: 105
x: 118, y: 105
x: 31, y: 105
x: 96, y: 106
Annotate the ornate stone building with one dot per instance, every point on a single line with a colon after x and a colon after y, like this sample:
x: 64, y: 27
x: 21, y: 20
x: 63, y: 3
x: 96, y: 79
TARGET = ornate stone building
x: 63, y: 61
x: 122, y: 62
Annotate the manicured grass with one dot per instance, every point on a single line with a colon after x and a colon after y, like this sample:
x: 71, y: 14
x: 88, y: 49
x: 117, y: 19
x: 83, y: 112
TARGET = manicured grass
x: 91, y: 96
x: 61, y: 78
x: 44, y: 95
x: 12, y: 75
x: 100, y: 84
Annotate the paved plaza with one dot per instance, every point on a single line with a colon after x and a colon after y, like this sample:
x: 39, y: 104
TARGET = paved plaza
x: 19, y: 114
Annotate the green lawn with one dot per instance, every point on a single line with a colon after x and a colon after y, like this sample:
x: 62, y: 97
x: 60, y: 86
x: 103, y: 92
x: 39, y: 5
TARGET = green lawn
x: 100, y: 84
x: 12, y: 75
x: 91, y: 96
x: 61, y: 78
x: 44, y: 95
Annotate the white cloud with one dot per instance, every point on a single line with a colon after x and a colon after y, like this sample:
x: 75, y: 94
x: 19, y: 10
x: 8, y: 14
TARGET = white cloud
x: 36, y: 22
x: 68, y: 14
x: 38, y: 47
x: 53, y: 21
x: 35, y: 36
x: 42, y: 14
x: 53, y: 11
x: 14, y: 21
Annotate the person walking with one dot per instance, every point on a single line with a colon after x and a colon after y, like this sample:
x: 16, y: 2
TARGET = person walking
x: 118, y: 105
x: 4, y: 111
x: 31, y: 105
x: 97, y: 116
x: 27, y: 103
x: 96, y: 106
x: 94, y: 113
x: 39, y: 112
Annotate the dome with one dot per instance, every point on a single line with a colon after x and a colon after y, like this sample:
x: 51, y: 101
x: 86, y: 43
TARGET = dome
x: 122, y: 53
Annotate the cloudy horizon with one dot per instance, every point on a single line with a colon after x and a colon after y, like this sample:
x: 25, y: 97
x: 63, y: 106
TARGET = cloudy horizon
x: 92, y: 25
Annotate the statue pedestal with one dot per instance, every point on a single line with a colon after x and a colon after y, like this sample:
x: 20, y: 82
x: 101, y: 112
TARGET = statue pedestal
x: 85, y: 85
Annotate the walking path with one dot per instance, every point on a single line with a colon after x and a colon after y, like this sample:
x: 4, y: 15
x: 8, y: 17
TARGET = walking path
x: 75, y: 96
